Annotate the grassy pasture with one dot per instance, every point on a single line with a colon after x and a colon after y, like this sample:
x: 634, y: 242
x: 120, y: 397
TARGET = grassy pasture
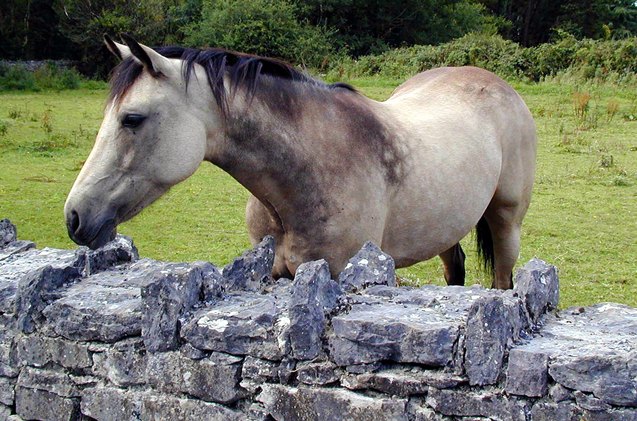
x: 583, y: 217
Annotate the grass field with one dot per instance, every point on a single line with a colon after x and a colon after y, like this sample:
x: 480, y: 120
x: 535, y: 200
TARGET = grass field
x: 583, y: 217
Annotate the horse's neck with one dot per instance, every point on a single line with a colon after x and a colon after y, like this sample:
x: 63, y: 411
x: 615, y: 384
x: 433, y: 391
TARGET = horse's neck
x: 286, y: 147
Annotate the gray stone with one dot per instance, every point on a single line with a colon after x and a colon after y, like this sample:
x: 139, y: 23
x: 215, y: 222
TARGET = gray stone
x: 103, y: 307
x: 370, y: 266
x: 37, y: 350
x: 8, y: 358
x: 305, y: 403
x: 5, y: 412
x: 243, y: 324
x: 487, y: 335
x: 215, y: 378
x: 124, y: 364
x: 34, y: 404
x: 559, y: 393
x: 393, y: 332
x: 253, y: 268
x: 57, y: 382
x: 214, y: 285
x: 7, y: 391
x: 589, y: 402
x: 486, y: 402
x: 527, y: 373
x: 314, y: 294
x: 8, y: 232
x: 562, y: 411
x: 193, y: 353
x: 317, y: 373
x: 259, y: 370
x: 112, y: 404
x: 286, y: 370
x: 118, y: 251
x: 537, y: 284
x: 170, y: 294
x: 14, y: 248
x: 614, y: 414
x: 161, y: 408
x: 36, y: 289
x: 403, y: 381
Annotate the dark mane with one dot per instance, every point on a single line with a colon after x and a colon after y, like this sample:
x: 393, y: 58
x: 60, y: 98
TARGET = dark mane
x: 244, y: 71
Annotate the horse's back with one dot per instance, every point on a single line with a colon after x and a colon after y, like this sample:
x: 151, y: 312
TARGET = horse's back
x: 469, y: 135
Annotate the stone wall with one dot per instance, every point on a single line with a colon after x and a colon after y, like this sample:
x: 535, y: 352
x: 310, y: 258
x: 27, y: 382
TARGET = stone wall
x: 104, y: 335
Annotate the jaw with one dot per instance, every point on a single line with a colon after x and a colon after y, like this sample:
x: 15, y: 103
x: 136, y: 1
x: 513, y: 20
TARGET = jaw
x: 92, y: 222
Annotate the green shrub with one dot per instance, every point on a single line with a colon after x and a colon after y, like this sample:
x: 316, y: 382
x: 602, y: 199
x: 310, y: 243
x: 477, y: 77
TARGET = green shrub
x: 16, y: 78
x: 567, y: 57
x: 47, y: 77
x: 263, y: 27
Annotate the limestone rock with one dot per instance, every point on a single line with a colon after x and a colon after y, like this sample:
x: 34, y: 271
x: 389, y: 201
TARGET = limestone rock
x: 35, y: 404
x: 537, y: 284
x: 314, y: 294
x: 124, y: 364
x: 7, y: 391
x: 215, y: 378
x: 393, y: 332
x: 36, y: 289
x: 317, y: 373
x: 38, y: 351
x: 487, y: 334
x: 103, y: 307
x: 370, y: 266
x: 253, y: 268
x: 243, y: 324
x: 8, y: 232
x: 118, y: 251
x: 404, y: 381
x: 487, y: 402
x: 527, y: 373
x: 309, y: 404
x: 169, y: 295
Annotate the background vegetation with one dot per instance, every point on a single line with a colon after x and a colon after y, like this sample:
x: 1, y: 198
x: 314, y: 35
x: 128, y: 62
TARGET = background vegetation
x: 573, y: 61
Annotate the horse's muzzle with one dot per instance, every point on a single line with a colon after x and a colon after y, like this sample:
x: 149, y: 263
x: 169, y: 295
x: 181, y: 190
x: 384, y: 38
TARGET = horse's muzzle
x: 94, y: 234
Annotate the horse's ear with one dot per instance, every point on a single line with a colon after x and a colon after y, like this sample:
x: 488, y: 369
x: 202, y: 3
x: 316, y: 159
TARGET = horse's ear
x: 156, y: 64
x: 119, y: 50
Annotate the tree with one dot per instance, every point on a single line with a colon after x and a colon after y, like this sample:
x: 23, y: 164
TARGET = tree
x: 365, y: 27
x: 263, y: 27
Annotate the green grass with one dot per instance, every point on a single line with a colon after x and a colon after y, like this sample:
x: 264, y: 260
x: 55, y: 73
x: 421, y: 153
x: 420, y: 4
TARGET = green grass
x: 583, y: 217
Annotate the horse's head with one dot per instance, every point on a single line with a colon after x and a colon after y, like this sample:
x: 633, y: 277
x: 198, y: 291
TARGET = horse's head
x: 152, y: 137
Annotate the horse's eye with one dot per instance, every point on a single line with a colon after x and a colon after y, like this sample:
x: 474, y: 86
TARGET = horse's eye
x: 133, y: 120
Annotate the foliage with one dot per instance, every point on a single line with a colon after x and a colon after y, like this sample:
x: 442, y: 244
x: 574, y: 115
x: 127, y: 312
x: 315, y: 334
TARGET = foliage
x: 46, y: 77
x: 610, y: 60
x: 370, y: 27
x: 263, y: 27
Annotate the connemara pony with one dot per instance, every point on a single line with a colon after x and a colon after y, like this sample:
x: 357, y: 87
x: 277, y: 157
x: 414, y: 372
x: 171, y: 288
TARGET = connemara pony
x: 328, y: 168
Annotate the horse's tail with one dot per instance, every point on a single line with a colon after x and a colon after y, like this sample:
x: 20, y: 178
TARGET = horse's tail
x: 485, y: 246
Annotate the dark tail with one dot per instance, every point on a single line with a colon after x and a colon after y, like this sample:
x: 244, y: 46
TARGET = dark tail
x: 485, y: 246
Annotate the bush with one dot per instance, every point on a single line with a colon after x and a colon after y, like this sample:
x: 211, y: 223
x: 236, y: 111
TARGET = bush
x: 16, y: 78
x: 607, y: 60
x: 46, y: 77
x: 263, y: 27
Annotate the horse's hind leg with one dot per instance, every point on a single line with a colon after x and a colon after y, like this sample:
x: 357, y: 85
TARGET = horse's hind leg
x: 504, y: 224
x: 453, y: 262
x: 260, y: 223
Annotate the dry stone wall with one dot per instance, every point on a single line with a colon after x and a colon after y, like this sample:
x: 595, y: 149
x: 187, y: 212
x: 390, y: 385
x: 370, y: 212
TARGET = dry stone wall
x: 105, y: 335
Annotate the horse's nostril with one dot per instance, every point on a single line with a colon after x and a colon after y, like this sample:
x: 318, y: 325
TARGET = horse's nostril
x: 73, y: 222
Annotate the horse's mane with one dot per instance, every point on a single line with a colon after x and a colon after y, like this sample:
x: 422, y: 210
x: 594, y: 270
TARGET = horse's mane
x: 243, y: 70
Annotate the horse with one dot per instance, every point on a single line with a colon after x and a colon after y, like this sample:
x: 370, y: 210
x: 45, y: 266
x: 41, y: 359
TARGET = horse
x: 329, y: 169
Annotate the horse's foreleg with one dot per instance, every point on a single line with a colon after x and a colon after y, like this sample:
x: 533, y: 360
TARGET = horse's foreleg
x: 505, y: 233
x: 453, y: 262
